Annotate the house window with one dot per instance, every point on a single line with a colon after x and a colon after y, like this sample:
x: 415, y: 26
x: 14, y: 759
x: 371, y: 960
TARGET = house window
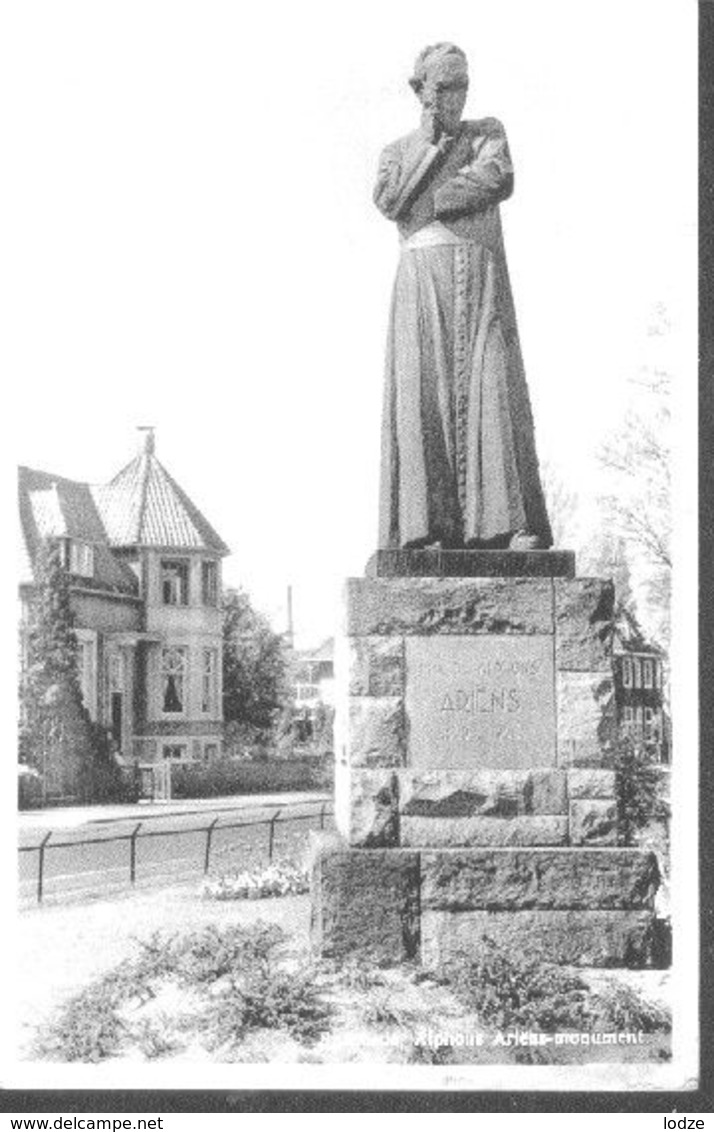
x: 307, y: 693
x: 174, y: 581
x: 626, y: 672
x: 636, y: 673
x: 173, y: 679
x: 209, y: 685
x: 628, y: 720
x: 210, y: 752
x: 209, y: 582
x: 115, y: 672
x: 87, y: 674
x: 647, y: 674
x: 175, y: 752
x: 651, y: 728
x: 80, y: 559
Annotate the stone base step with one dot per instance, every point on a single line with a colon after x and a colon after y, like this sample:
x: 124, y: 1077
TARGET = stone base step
x: 582, y: 906
x: 437, y: 563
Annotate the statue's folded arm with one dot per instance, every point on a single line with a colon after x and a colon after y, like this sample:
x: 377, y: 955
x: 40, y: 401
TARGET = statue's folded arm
x: 485, y: 181
x: 402, y: 169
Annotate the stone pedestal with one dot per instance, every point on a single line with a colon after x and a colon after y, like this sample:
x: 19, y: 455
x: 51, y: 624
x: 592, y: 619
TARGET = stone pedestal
x: 474, y: 716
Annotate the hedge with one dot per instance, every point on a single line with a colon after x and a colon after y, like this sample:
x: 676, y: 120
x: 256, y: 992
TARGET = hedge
x: 265, y: 776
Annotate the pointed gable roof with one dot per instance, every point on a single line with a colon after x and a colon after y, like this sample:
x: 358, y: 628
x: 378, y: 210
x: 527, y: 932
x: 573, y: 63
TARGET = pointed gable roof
x: 54, y: 507
x: 144, y: 506
x: 629, y: 636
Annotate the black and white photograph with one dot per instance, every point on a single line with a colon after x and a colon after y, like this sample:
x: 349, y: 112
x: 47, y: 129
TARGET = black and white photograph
x: 351, y: 608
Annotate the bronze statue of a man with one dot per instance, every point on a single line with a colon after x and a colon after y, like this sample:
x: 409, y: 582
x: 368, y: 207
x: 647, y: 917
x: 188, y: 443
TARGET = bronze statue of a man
x: 459, y: 466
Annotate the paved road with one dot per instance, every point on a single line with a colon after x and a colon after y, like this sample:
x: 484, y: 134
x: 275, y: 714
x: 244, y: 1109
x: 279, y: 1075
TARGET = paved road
x: 67, y: 817
x: 93, y: 857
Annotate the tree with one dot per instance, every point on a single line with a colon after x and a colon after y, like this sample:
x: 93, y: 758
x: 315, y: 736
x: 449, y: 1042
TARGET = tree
x: 606, y: 557
x: 562, y: 505
x: 638, y: 505
x: 56, y: 734
x: 639, y: 454
x: 254, y: 666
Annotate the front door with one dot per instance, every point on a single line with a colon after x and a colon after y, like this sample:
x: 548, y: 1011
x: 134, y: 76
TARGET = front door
x: 116, y: 688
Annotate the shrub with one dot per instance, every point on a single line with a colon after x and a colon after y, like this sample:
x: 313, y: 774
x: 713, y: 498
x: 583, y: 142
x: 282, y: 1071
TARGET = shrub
x: 29, y: 792
x: 255, y: 993
x: 87, y: 1028
x: 382, y: 1009
x: 514, y: 993
x: 153, y: 1037
x: 619, y: 1007
x: 510, y: 992
x: 200, y: 958
x: 274, y: 1000
x: 639, y: 788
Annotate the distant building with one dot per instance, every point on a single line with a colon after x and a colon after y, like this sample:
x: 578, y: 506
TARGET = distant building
x: 640, y: 685
x: 313, y: 679
x: 145, y: 574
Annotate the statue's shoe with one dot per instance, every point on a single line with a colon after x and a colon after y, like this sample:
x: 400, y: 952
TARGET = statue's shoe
x: 524, y: 540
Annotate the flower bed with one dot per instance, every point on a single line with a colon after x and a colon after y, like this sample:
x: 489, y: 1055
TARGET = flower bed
x: 275, y: 880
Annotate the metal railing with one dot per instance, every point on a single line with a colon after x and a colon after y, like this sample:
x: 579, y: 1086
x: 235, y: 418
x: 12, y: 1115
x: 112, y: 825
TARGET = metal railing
x: 271, y: 823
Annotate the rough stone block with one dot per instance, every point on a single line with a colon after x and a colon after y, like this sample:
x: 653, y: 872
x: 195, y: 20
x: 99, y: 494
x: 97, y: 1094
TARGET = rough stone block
x: 589, y: 782
x: 462, y: 794
x: 395, y: 607
x: 376, y: 731
x: 593, y: 821
x: 577, y: 938
x: 587, y: 723
x: 548, y: 792
x: 492, y: 793
x: 583, y: 624
x: 456, y: 832
x: 372, y: 817
x: 376, y: 666
x: 500, y: 879
x: 365, y: 903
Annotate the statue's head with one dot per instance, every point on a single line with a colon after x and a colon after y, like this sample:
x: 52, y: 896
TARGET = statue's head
x: 441, y: 81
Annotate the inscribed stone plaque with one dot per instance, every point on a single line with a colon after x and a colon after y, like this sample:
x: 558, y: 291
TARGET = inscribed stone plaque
x: 480, y: 702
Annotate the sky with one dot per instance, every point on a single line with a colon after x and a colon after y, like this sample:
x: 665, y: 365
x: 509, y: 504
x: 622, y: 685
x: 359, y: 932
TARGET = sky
x: 191, y: 244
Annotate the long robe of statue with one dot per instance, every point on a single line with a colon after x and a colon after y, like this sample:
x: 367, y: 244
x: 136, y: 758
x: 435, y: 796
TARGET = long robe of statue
x: 459, y: 466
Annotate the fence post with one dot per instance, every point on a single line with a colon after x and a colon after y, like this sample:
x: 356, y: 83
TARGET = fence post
x: 322, y: 815
x: 271, y: 834
x: 132, y: 853
x: 209, y: 835
x: 41, y: 865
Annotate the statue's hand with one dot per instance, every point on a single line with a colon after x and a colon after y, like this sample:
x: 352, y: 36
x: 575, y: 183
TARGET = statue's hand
x: 430, y: 128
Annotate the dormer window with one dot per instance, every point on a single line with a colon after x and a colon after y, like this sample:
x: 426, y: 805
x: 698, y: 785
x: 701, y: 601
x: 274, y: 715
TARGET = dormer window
x: 174, y: 581
x: 80, y: 559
